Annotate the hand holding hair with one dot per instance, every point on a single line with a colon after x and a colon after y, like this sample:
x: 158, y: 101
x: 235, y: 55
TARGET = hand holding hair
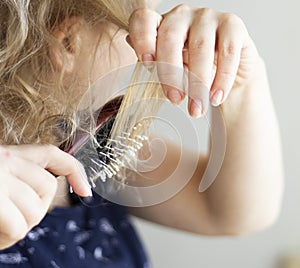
x: 215, y: 47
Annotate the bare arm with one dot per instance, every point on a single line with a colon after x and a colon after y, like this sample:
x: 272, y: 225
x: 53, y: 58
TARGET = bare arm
x: 246, y: 194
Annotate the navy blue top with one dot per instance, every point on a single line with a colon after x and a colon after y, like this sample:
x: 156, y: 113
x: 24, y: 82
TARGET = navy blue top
x: 91, y: 233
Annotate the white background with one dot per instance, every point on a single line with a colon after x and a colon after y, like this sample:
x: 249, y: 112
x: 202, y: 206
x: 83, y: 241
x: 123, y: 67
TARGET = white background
x: 274, y: 26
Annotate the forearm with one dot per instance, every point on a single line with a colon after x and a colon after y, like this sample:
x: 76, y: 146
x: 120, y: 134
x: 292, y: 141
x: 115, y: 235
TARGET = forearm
x: 247, y: 191
x: 246, y: 194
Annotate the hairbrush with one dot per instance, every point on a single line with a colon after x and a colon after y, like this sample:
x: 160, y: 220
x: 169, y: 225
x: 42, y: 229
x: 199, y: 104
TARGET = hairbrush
x: 101, y: 156
x: 109, y: 140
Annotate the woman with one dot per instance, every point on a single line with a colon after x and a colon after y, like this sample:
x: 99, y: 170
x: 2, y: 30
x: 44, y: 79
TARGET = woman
x: 53, y: 50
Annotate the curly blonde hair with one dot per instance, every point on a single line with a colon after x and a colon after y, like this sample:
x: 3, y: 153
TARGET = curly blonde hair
x: 28, y: 112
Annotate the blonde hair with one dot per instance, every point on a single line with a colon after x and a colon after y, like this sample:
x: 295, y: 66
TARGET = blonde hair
x: 27, y: 113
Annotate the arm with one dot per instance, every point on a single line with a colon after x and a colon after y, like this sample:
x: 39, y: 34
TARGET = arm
x: 246, y: 194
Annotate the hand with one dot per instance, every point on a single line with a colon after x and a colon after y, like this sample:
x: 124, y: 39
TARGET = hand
x: 28, y: 186
x: 215, y: 47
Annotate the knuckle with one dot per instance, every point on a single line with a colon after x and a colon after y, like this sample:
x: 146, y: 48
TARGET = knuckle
x: 4, y: 153
x: 140, y: 13
x: 48, y: 152
x: 168, y: 34
x: 204, y: 12
x: 140, y: 27
x: 5, y: 164
x: 229, y: 49
x: 199, y: 46
x: 232, y: 19
x: 182, y: 8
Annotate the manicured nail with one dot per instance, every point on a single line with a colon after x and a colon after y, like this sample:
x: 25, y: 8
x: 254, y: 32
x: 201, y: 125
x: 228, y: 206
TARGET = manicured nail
x: 147, y: 57
x: 196, y: 108
x: 89, y: 193
x: 217, y: 98
x: 174, y: 96
x: 87, y: 188
x: 148, y: 60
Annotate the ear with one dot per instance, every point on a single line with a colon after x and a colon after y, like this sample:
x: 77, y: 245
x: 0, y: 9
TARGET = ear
x: 68, y: 36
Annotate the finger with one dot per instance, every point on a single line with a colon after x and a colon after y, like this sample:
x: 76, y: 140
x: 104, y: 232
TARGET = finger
x: 13, y: 226
x: 143, y: 24
x: 201, y: 52
x: 29, y: 203
x: 42, y: 182
x: 57, y: 162
x: 172, y: 34
x: 231, y: 36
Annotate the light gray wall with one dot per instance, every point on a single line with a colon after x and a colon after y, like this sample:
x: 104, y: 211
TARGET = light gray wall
x: 274, y: 25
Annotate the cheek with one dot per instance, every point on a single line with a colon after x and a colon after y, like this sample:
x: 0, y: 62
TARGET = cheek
x: 112, y: 52
x: 112, y: 55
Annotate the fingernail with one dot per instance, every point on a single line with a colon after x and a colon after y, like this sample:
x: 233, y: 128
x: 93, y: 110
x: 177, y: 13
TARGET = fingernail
x: 217, y: 98
x: 147, y: 60
x: 87, y: 188
x: 196, y: 108
x: 174, y: 96
x: 89, y: 193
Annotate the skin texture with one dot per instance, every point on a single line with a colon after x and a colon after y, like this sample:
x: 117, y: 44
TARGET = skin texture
x: 216, y: 47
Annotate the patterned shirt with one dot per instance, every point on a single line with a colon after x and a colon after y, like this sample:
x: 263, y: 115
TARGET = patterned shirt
x: 91, y: 233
